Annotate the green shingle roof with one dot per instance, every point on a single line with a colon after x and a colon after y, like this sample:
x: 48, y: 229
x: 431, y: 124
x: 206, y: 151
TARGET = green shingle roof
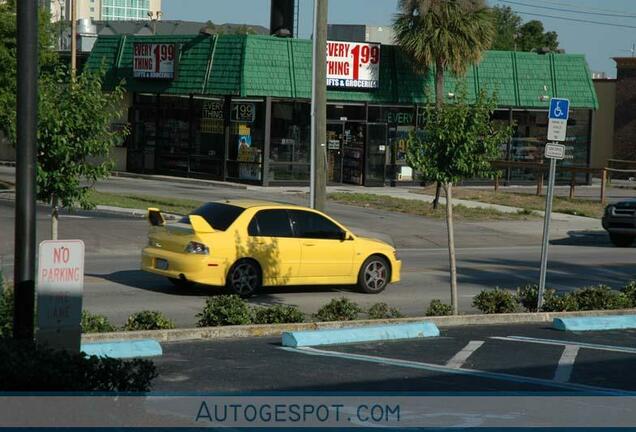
x: 256, y: 66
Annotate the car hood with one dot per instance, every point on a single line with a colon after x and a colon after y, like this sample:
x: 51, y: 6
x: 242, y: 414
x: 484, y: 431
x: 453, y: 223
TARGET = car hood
x: 626, y: 204
x: 376, y: 242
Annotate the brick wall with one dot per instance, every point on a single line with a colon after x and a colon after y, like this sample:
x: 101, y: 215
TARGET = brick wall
x: 625, y: 114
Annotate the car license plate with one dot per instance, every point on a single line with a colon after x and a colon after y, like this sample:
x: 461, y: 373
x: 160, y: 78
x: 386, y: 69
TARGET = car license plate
x: 161, y: 264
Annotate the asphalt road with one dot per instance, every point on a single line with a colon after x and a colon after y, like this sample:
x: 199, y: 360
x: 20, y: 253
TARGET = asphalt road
x: 504, y: 254
x: 510, y: 358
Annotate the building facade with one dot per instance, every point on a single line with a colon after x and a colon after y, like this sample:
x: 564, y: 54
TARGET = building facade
x: 237, y: 108
x: 106, y: 10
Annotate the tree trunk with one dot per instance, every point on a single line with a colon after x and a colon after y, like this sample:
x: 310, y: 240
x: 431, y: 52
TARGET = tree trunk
x: 439, y: 102
x: 54, y: 217
x: 448, y: 187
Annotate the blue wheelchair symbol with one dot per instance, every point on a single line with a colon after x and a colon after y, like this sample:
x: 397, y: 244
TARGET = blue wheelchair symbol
x: 559, y: 109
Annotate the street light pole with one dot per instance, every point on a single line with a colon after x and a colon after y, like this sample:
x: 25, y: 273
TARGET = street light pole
x: 27, y: 81
x: 73, y: 38
x: 318, y: 180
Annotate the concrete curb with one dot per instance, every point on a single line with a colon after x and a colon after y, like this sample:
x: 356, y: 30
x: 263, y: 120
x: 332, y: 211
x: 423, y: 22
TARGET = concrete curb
x: 182, y: 180
x: 360, y: 334
x: 212, y: 333
x: 140, y: 213
x: 595, y: 323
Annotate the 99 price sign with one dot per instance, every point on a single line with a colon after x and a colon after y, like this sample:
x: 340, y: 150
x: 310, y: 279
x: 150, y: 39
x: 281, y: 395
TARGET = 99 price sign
x: 154, y: 60
x: 353, y: 65
x: 243, y: 112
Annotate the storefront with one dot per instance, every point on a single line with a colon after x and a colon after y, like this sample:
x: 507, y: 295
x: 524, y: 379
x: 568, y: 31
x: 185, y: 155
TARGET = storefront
x: 237, y: 108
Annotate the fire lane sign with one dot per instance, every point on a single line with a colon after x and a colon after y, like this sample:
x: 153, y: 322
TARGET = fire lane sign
x: 60, y: 284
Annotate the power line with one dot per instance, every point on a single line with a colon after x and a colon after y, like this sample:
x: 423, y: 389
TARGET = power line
x: 578, y: 6
x: 576, y: 20
x: 569, y: 10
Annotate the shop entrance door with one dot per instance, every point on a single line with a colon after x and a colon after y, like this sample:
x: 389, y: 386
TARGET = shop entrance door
x: 143, y: 143
x: 375, y: 163
x: 335, y: 148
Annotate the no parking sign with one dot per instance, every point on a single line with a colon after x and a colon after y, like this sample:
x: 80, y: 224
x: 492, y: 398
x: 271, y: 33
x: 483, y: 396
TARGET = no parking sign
x: 60, y: 284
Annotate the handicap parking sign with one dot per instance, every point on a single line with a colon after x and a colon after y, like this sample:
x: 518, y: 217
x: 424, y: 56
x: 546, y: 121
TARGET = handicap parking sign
x: 559, y: 109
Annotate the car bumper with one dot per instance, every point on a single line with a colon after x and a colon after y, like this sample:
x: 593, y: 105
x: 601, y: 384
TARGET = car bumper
x: 396, y: 271
x: 620, y: 225
x: 195, y: 268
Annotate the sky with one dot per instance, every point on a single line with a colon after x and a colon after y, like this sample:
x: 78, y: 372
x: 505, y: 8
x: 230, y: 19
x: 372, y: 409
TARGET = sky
x: 598, y: 42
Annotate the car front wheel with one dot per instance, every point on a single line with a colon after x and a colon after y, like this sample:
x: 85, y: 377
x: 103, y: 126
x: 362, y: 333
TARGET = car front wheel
x: 244, y: 278
x: 621, y: 240
x: 375, y: 275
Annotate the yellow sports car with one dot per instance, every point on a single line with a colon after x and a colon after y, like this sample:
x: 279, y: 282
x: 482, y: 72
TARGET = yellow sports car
x: 245, y: 245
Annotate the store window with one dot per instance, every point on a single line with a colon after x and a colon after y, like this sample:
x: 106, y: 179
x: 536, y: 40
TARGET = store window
x: 290, y: 141
x: 208, y: 142
x: 247, y: 140
x: 346, y: 112
x: 530, y: 129
x: 400, y: 121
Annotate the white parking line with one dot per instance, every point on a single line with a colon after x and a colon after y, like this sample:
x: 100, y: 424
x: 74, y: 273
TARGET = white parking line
x: 457, y: 371
x: 565, y: 367
x: 628, y: 350
x: 460, y: 358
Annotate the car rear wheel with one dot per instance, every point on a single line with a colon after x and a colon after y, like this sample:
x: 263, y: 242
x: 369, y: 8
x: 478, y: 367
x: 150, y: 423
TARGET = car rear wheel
x: 181, y: 283
x: 375, y: 275
x: 244, y: 278
x: 621, y: 240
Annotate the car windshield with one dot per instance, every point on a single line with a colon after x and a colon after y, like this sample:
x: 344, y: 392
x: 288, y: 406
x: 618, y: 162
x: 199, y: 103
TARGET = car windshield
x: 220, y: 216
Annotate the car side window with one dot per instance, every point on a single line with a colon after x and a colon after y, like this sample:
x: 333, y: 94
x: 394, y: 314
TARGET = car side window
x: 314, y: 226
x: 270, y: 223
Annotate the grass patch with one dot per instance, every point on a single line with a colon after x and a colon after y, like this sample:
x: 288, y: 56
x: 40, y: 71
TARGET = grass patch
x: 169, y: 205
x: 423, y: 208
x: 577, y: 207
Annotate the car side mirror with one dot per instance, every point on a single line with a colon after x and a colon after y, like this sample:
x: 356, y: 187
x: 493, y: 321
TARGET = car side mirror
x: 345, y: 236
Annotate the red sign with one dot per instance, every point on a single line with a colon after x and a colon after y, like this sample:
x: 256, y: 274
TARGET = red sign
x: 154, y: 60
x: 353, y: 65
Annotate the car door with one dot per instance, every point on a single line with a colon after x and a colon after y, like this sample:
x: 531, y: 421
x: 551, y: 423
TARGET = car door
x: 324, y: 253
x: 273, y: 244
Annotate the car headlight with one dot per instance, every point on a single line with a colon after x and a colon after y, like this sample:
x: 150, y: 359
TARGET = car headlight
x: 197, y: 248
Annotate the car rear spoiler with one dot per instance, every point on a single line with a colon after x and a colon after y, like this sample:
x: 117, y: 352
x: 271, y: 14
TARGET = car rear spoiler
x: 155, y: 218
x: 200, y: 225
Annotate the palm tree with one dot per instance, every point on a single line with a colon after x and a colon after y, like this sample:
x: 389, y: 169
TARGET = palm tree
x: 447, y: 35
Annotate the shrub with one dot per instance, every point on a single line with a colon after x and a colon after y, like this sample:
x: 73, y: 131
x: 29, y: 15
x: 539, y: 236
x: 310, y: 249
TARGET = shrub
x: 341, y: 309
x: 224, y: 311
x: 278, y: 314
x: 383, y: 311
x: 600, y: 297
x: 437, y: 308
x: 629, y: 291
x: 560, y: 303
x: 94, y: 323
x: 27, y: 367
x: 528, y: 296
x: 6, y: 310
x: 496, y: 301
x: 148, y: 320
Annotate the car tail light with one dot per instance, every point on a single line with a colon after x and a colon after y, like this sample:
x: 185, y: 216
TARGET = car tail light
x: 197, y: 248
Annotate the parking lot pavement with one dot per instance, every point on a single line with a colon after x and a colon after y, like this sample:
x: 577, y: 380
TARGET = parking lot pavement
x: 512, y: 358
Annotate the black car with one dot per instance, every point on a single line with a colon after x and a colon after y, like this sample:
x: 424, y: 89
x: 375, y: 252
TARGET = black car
x: 620, y: 222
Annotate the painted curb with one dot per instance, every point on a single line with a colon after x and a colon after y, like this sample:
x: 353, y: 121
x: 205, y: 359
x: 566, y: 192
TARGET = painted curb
x: 360, y: 334
x: 123, y: 349
x: 270, y: 330
x: 595, y: 323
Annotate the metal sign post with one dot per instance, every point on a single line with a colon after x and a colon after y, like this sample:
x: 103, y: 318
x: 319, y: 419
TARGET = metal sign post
x: 559, y: 114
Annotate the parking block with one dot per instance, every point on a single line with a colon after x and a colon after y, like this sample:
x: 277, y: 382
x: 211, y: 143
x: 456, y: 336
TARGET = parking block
x: 595, y: 323
x: 360, y: 334
x: 123, y: 349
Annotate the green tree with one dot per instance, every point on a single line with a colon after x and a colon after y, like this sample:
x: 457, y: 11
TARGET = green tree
x: 75, y: 135
x: 444, y: 35
x: 48, y: 60
x: 513, y: 35
x: 458, y: 141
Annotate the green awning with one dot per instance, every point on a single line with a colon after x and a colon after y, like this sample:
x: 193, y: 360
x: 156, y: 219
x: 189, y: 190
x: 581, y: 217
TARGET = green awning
x: 258, y: 66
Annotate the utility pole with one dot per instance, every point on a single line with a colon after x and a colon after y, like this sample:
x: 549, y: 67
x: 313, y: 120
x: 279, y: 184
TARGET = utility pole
x: 27, y: 80
x: 73, y: 38
x: 318, y: 187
